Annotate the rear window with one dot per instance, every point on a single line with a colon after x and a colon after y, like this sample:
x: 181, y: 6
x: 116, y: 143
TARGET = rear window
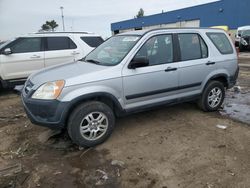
x: 92, y: 41
x: 221, y: 42
x: 60, y: 43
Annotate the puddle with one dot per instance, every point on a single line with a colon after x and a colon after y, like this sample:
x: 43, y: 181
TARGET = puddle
x: 237, y: 106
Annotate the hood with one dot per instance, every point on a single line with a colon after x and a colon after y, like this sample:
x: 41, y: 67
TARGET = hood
x: 80, y: 71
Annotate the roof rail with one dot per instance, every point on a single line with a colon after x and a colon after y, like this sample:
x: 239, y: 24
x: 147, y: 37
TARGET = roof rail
x: 169, y: 28
x: 62, y: 32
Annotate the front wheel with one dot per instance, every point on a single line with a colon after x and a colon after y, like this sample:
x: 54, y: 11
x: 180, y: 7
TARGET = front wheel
x: 212, y: 96
x: 91, y: 124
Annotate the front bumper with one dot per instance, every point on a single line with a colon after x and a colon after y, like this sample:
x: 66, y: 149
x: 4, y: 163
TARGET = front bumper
x: 48, y: 113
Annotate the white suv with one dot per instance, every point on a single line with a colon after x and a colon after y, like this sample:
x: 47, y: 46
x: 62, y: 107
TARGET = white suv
x: 21, y: 57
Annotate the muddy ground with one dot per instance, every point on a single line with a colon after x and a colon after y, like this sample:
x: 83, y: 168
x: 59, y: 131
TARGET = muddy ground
x: 178, y: 146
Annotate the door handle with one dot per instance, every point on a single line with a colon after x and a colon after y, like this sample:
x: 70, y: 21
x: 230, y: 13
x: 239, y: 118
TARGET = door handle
x: 35, y: 56
x: 170, y: 69
x: 210, y: 63
x: 75, y: 53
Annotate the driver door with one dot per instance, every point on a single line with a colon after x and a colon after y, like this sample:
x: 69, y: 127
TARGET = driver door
x: 156, y: 82
x: 27, y: 56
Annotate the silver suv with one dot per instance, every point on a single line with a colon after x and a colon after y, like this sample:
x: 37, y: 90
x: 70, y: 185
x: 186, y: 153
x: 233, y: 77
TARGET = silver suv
x: 132, y: 72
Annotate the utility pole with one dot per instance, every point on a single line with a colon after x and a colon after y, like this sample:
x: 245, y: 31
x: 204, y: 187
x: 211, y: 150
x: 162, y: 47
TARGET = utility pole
x: 62, y: 18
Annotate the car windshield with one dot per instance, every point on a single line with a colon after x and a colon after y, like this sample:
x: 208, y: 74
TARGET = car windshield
x: 5, y: 43
x: 112, y: 51
x: 246, y: 33
x: 2, y: 44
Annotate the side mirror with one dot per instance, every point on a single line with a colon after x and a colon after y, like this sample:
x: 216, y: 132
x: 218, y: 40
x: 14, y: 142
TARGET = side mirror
x: 7, y: 51
x: 138, y: 62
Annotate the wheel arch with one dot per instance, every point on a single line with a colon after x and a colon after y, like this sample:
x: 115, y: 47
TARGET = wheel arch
x: 104, y: 97
x: 221, y: 77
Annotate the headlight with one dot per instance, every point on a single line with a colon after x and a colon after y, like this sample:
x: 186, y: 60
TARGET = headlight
x: 244, y: 42
x: 49, y: 90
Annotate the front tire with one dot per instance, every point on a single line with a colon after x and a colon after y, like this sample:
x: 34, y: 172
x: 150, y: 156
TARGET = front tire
x: 212, y: 96
x: 91, y: 124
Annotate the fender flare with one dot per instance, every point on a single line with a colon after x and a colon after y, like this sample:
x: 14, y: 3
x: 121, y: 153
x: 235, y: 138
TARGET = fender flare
x: 225, y: 76
x: 118, y: 110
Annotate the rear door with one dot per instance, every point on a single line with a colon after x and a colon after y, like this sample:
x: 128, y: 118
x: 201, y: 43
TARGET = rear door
x: 59, y: 50
x: 152, y: 83
x: 27, y: 57
x: 194, y: 65
x: 224, y: 52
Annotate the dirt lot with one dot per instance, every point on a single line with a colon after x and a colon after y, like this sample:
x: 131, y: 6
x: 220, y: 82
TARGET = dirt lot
x: 178, y: 146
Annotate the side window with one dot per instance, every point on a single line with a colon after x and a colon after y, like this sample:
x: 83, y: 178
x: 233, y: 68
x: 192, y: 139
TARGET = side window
x: 60, y: 43
x: 204, y: 49
x: 158, y: 50
x: 192, y: 46
x: 92, y: 41
x: 25, y: 45
x: 221, y: 42
x: 72, y: 45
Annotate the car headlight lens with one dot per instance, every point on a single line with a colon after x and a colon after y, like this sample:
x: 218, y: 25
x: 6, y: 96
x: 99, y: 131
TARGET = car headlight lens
x: 244, y: 42
x: 49, y: 90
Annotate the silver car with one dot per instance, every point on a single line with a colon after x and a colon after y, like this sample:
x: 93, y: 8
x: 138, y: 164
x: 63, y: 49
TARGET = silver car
x: 132, y: 72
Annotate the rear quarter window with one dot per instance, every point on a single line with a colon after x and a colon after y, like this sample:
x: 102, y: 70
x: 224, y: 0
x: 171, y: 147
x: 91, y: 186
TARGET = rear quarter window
x: 221, y: 42
x: 92, y: 41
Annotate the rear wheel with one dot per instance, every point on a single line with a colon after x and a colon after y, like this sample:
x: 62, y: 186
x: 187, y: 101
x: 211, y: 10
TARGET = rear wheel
x: 212, y: 96
x: 91, y: 124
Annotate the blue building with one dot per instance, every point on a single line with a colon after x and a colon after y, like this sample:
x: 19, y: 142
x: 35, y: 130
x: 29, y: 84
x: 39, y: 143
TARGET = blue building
x: 232, y: 13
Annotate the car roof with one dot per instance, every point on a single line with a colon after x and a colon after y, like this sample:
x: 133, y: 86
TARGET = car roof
x: 244, y: 27
x: 43, y: 34
x: 145, y: 31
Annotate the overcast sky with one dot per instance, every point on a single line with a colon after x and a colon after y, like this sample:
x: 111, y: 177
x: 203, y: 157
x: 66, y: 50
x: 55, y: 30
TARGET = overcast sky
x: 19, y: 17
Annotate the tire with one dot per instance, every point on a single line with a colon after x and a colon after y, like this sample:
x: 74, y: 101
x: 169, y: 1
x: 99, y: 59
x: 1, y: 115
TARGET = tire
x: 95, y: 119
x: 210, y: 95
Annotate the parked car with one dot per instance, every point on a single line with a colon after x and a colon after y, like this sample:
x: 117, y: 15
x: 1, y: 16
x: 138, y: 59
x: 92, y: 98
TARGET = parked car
x: 238, y: 34
x: 25, y: 55
x: 132, y: 72
x: 245, y: 41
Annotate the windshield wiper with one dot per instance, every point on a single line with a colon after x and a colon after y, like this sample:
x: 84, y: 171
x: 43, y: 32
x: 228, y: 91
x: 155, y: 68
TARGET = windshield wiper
x: 92, y: 61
